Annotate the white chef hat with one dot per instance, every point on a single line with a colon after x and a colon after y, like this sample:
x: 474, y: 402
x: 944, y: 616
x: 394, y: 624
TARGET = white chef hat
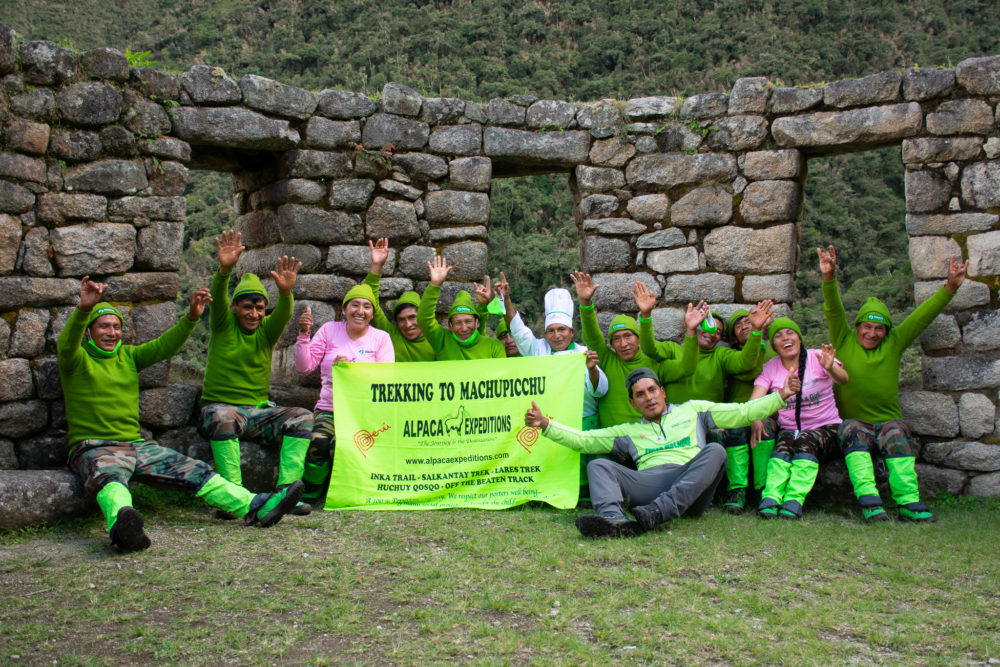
x: 558, y: 307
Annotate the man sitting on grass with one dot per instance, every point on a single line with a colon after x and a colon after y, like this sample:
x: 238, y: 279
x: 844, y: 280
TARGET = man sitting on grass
x: 100, y: 381
x: 677, y: 469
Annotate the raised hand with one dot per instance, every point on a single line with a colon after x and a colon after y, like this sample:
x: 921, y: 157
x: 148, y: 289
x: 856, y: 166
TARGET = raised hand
x: 501, y: 289
x: 380, y: 253
x: 306, y: 320
x: 535, y: 418
x: 484, y: 292
x: 230, y: 248
x: 198, y: 300
x: 90, y: 293
x: 792, y: 385
x: 284, y: 275
x: 439, y: 270
x: 644, y: 299
x: 592, y: 359
x: 826, y: 356
x: 827, y: 262
x: 956, y: 274
x: 584, y: 286
x: 761, y: 315
x: 694, y: 316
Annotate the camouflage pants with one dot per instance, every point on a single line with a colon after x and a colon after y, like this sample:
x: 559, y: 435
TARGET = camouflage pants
x: 222, y: 421
x: 321, y: 444
x: 819, y: 444
x: 888, y: 439
x: 100, y: 462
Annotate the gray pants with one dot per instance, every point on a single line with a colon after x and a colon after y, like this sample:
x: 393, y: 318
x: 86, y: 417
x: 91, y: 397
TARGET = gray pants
x: 677, y: 490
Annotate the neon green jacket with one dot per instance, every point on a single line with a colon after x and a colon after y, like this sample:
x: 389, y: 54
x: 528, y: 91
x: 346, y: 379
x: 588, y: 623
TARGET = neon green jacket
x: 238, y: 370
x: 102, y: 392
x: 676, y: 439
x: 615, y: 408
x: 873, y: 392
x: 446, y: 346
x: 708, y: 382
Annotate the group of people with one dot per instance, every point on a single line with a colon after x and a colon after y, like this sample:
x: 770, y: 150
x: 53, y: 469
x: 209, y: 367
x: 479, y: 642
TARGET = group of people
x: 662, y: 422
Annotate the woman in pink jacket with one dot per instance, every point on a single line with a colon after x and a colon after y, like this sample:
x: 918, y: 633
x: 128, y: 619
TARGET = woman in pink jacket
x: 352, y: 340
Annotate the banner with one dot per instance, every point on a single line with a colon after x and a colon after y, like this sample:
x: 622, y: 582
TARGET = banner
x: 444, y: 434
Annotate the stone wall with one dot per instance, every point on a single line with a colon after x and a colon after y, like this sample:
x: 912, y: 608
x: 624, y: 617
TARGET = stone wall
x: 697, y: 197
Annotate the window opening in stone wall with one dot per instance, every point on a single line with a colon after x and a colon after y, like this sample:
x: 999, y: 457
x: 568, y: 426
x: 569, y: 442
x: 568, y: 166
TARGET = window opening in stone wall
x: 533, y: 239
x: 210, y: 209
x: 857, y: 203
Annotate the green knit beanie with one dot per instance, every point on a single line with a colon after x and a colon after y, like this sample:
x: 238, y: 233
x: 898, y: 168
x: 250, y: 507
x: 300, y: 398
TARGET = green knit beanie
x: 502, y: 327
x: 360, y: 292
x: 407, y: 299
x: 874, y: 310
x: 782, y: 323
x: 101, y: 309
x: 622, y: 322
x: 462, y: 305
x: 736, y: 317
x: 250, y: 284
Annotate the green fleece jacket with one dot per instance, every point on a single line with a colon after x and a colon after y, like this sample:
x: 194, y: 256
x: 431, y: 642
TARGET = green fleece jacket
x: 708, y: 382
x: 102, y: 392
x: 675, y: 439
x: 238, y: 370
x: 446, y: 347
x: 615, y: 408
x: 872, y: 395
x: 418, y: 349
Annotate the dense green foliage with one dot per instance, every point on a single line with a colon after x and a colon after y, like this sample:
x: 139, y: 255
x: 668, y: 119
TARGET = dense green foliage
x: 571, y: 50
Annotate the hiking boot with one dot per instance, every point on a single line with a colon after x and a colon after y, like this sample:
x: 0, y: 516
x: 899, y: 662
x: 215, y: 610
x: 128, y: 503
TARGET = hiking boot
x: 223, y: 515
x: 648, y: 516
x: 874, y: 514
x: 127, y: 533
x: 266, y: 509
x: 736, y: 500
x: 301, y: 509
x: 907, y: 514
x: 595, y: 525
x: 768, y: 512
x: 788, y: 515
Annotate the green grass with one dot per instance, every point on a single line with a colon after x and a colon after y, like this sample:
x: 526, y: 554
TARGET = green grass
x: 517, y: 586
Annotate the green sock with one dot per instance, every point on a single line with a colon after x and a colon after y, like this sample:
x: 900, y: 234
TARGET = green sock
x: 220, y: 492
x: 801, y: 478
x: 227, y: 459
x: 291, y: 463
x: 903, y: 479
x: 761, y: 455
x: 737, y: 466
x: 112, y: 498
x: 862, y: 474
x: 778, y: 470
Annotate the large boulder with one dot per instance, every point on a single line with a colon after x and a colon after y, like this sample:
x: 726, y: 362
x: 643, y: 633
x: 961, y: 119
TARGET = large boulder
x: 32, y: 497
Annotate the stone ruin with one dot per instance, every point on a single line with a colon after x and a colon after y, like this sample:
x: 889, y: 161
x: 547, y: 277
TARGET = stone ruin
x: 696, y: 197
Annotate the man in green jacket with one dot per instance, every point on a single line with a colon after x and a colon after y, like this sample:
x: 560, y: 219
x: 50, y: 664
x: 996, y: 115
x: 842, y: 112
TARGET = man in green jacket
x: 408, y: 341
x: 869, y: 406
x: 238, y: 371
x: 620, y: 354
x: 100, y: 380
x: 465, y: 339
x: 716, y: 365
x: 677, y: 468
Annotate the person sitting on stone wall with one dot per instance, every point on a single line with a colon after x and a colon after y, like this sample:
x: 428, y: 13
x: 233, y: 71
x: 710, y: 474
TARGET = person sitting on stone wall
x: 465, y: 340
x: 743, y: 461
x: 716, y: 364
x: 238, y: 370
x: 351, y: 340
x: 100, y: 381
x: 873, y: 422
x: 620, y: 354
x: 408, y: 341
x: 806, y: 430
x: 677, y: 468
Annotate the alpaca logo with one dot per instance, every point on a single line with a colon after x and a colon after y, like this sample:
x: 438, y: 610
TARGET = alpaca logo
x: 455, y: 423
